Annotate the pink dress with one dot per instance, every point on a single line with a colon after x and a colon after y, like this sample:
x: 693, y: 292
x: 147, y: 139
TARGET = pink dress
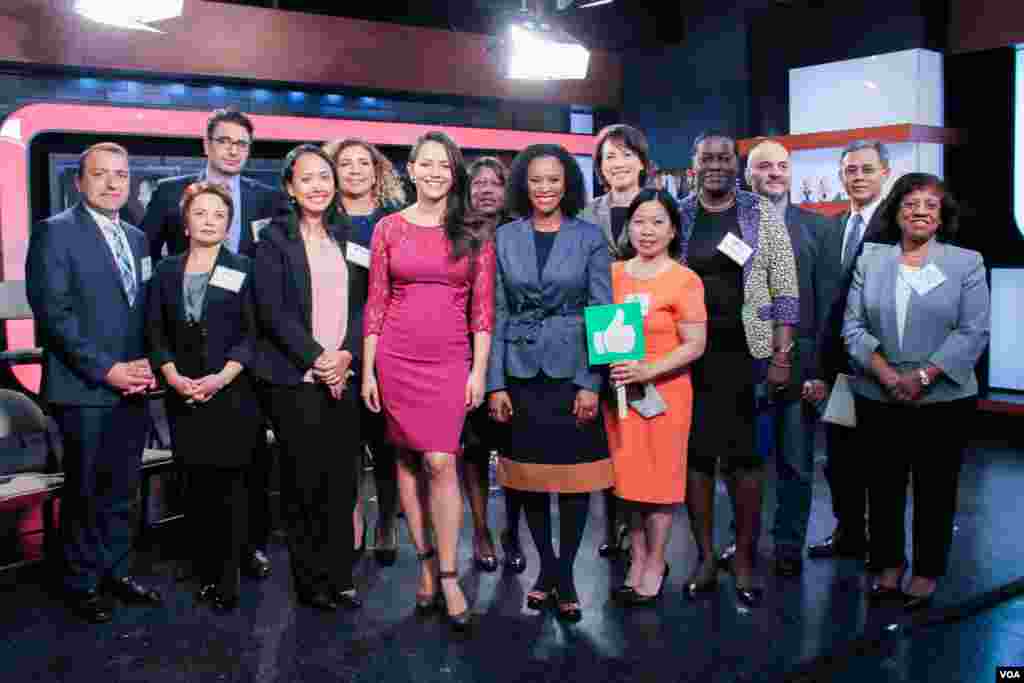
x: 424, y: 307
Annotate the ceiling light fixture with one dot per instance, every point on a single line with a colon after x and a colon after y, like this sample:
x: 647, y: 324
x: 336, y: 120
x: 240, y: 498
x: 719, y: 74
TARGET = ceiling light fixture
x: 595, y: 3
x: 537, y: 50
x: 131, y: 14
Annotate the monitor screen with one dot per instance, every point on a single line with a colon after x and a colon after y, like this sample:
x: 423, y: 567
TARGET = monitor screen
x: 1006, y: 362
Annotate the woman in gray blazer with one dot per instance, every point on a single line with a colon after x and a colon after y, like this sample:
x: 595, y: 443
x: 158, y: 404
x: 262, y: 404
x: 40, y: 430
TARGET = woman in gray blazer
x: 917, y: 319
x: 622, y: 160
x: 550, y: 265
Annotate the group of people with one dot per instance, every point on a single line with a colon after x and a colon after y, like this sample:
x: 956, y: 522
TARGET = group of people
x: 436, y: 332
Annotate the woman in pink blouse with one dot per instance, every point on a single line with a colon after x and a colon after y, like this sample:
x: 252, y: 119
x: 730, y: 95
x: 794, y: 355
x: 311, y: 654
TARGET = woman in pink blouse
x: 431, y: 289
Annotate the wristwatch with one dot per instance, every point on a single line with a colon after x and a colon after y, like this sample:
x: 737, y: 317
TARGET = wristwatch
x: 925, y: 378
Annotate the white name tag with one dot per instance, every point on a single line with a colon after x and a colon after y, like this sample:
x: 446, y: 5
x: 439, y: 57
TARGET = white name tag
x: 642, y: 298
x: 257, y: 228
x: 357, y: 254
x: 928, y: 279
x: 227, y: 278
x: 735, y: 248
x: 147, y: 268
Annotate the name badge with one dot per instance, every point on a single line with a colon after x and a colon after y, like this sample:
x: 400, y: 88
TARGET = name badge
x: 227, y: 278
x: 642, y: 298
x: 257, y: 228
x: 928, y: 279
x: 357, y: 254
x: 735, y: 248
x: 147, y: 268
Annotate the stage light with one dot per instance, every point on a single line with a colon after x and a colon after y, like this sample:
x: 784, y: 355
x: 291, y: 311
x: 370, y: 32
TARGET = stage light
x: 131, y: 14
x: 536, y: 52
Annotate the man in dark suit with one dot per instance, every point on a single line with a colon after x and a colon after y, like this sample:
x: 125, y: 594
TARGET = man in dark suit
x: 227, y: 144
x: 864, y: 168
x: 87, y: 278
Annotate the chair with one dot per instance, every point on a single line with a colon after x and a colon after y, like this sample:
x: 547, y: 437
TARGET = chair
x: 14, y: 306
x: 31, y: 454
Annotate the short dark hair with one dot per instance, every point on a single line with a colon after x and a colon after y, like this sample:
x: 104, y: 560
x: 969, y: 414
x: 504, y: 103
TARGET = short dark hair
x: 493, y: 163
x: 857, y: 145
x: 228, y: 115
x: 912, y: 182
x: 205, y: 187
x: 111, y: 147
x: 710, y: 134
x: 629, y: 137
x: 675, y: 246
x: 288, y: 174
x: 518, y: 200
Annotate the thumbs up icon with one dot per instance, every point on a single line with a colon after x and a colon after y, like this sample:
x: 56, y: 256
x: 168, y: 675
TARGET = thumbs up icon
x: 618, y: 338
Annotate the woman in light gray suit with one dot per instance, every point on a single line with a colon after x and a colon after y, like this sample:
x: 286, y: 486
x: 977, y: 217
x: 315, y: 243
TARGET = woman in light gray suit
x: 917, y: 319
x: 550, y: 266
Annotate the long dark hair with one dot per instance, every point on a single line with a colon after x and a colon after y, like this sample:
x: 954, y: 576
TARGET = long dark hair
x: 332, y: 221
x: 675, y: 246
x: 911, y: 182
x: 466, y: 230
x: 517, y: 198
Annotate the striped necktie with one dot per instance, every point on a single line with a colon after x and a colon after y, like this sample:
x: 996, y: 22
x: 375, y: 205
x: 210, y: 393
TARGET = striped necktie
x: 853, y: 240
x: 123, y: 257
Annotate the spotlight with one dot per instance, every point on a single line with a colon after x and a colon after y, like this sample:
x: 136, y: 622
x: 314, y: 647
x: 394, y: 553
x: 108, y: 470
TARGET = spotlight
x: 130, y: 14
x: 538, y: 51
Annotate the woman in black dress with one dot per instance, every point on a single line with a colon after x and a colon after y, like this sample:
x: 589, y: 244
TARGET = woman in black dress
x: 201, y: 331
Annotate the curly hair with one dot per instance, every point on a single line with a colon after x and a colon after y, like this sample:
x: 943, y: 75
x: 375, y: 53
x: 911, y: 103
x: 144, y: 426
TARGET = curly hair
x: 387, y: 186
x: 193, y: 191
x: 912, y: 182
x: 518, y: 200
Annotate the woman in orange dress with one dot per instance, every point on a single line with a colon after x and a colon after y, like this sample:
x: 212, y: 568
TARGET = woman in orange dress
x: 648, y: 446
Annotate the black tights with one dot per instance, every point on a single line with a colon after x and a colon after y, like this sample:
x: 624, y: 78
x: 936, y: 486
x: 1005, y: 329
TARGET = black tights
x: 556, y: 572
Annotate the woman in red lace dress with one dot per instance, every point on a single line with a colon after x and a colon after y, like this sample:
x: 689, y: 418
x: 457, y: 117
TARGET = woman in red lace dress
x: 431, y: 291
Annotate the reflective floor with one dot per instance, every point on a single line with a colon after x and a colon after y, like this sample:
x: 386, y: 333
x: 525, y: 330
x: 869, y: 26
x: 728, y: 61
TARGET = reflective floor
x: 271, y: 639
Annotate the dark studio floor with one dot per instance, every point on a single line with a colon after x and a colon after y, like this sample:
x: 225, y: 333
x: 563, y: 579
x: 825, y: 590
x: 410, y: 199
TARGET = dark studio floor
x: 271, y: 639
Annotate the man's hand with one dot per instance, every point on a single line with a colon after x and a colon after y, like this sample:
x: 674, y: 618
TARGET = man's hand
x: 130, y: 378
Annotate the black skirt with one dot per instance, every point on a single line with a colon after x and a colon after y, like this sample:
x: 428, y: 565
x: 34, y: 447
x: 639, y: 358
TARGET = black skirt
x: 543, y: 448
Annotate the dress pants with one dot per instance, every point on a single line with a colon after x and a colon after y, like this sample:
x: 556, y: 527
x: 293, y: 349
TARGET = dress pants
x: 847, y: 478
x: 927, y: 443
x: 319, y: 460
x: 216, y: 513
x: 257, y: 484
x: 793, y: 424
x: 102, y: 454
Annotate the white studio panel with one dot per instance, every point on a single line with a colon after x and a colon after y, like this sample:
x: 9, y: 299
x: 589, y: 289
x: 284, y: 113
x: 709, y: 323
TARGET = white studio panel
x: 587, y: 166
x: 1018, y: 156
x: 895, y: 88
x: 1005, y: 360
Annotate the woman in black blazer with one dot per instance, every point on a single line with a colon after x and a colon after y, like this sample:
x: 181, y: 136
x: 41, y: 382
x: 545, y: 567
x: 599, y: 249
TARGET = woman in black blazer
x: 201, y: 330
x: 307, y: 338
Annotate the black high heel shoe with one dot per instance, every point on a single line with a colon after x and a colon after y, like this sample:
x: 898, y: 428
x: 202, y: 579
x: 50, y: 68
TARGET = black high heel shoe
x: 880, y: 592
x: 704, y: 579
x: 515, y: 561
x: 750, y: 596
x: 540, y: 595
x: 618, y: 546
x: 427, y: 603
x: 485, y: 563
x: 462, y: 621
x: 568, y: 606
x: 639, y: 600
x: 347, y: 598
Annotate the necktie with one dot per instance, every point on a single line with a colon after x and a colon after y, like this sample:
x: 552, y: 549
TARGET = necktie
x: 122, y: 254
x: 853, y: 240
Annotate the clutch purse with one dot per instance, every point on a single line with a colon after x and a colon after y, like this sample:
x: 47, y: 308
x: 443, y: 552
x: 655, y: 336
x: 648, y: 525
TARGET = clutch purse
x: 649, y: 403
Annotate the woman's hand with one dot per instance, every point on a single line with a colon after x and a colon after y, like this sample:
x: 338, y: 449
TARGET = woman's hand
x: 779, y: 371
x: 332, y: 367
x: 370, y: 393
x: 474, y: 390
x: 585, y: 406
x: 814, y: 391
x: 907, y: 387
x: 208, y: 386
x: 185, y: 387
x: 630, y: 372
x: 337, y: 390
x: 499, y: 405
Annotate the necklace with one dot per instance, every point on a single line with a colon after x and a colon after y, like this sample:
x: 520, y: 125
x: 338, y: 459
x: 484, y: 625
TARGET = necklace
x: 720, y: 209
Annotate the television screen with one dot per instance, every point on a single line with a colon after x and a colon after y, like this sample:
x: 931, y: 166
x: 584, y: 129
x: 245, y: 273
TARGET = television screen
x: 1006, y: 362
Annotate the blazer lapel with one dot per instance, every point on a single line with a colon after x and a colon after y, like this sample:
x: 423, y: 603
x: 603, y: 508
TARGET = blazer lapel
x: 565, y: 238
x: 299, y: 262
x: 602, y: 212
x: 528, y: 253
x: 95, y: 236
x: 748, y: 215
x: 245, y: 192
x: 890, y: 271
x: 214, y: 295
x: 177, y: 279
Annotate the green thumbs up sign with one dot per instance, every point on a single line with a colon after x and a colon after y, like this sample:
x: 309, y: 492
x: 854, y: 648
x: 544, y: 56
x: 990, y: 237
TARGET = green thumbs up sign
x: 614, y: 333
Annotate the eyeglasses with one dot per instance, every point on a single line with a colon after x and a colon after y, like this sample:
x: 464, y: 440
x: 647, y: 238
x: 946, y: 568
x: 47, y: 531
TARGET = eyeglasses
x: 929, y: 206
x: 241, y: 145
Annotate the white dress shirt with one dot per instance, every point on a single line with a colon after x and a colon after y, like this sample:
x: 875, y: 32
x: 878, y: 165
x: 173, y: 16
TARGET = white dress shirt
x: 113, y: 232
x: 866, y: 213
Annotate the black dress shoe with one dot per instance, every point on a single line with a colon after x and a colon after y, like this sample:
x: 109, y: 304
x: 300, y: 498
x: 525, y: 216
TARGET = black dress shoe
x: 702, y: 580
x: 838, y: 545
x: 206, y: 593
x: 789, y: 565
x: 881, y: 593
x: 347, y: 599
x: 320, y: 600
x: 750, y: 596
x: 914, y: 602
x: 724, y: 559
x: 515, y: 561
x: 131, y: 591
x: 223, y: 604
x: 257, y: 565
x: 91, y: 606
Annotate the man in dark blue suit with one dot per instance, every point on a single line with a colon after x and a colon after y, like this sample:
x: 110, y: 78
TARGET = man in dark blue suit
x: 227, y: 144
x: 87, y: 278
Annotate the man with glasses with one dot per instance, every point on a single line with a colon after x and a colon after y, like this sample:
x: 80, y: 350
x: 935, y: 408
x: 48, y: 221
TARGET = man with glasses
x: 227, y: 144
x: 864, y: 169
